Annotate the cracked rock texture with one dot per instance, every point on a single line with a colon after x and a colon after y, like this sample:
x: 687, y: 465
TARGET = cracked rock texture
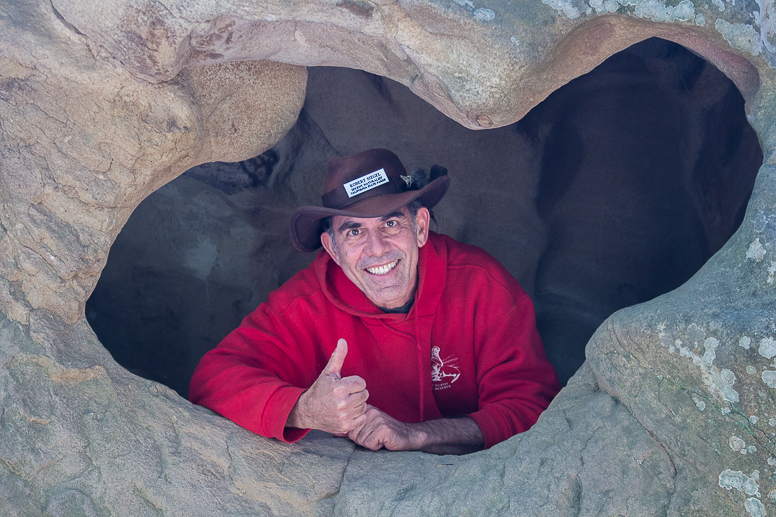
x: 101, y: 103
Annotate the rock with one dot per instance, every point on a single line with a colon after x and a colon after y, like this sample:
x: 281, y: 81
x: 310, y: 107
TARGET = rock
x: 585, y: 448
x: 98, y: 108
x: 100, y: 441
x: 693, y: 368
x: 87, y: 141
x: 482, y: 67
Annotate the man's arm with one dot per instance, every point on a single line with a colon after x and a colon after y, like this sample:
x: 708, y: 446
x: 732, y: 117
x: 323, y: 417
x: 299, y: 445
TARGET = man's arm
x: 442, y: 436
x: 516, y: 382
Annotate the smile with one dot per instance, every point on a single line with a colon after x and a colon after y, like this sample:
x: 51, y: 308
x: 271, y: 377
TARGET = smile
x: 382, y: 270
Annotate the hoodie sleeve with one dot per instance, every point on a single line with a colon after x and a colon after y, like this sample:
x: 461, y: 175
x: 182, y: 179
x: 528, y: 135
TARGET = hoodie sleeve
x: 254, y: 376
x: 516, y: 382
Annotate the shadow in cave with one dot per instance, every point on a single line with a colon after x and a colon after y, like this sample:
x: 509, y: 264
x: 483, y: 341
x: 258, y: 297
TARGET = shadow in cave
x: 616, y: 189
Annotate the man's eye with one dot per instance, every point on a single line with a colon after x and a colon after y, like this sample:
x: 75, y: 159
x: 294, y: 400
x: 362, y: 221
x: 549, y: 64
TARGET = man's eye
x: 353, y: 232
x: 392, y: 223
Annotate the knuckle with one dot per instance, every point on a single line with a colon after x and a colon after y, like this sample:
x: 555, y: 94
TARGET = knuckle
x: 349, y: 384
x: 355, y: 380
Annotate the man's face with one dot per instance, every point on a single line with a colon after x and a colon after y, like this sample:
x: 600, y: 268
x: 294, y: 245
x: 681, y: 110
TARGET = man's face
x: 380, y: 254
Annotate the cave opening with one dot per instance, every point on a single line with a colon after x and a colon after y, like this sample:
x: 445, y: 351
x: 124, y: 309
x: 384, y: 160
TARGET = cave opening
x: 615, y: 189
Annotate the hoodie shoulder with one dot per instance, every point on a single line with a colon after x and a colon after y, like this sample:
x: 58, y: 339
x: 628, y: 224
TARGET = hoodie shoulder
x: 471, y: 261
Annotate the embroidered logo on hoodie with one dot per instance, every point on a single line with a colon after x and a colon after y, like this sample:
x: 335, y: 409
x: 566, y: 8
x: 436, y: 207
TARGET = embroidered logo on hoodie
x: 444, y: 372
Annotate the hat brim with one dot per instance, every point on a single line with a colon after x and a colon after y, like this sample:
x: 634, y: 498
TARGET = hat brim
x: 306, y: 220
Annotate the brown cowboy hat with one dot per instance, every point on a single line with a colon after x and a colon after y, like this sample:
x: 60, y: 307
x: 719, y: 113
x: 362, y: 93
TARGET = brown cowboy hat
x: 371, y: 183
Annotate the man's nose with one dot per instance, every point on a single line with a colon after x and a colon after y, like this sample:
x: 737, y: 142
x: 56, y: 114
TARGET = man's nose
x: 376, y: 244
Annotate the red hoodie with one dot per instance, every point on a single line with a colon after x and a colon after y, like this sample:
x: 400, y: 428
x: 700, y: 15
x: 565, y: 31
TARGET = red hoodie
x: 467, y: 347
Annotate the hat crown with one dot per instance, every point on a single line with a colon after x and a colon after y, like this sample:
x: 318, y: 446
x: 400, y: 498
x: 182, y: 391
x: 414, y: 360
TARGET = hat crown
x: 344, y: 169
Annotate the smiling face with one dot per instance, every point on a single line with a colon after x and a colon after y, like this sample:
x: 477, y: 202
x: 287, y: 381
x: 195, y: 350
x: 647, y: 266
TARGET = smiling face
x: 380, y: 254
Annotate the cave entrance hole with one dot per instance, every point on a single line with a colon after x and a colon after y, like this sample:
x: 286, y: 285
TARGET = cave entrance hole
x: 615, y: 189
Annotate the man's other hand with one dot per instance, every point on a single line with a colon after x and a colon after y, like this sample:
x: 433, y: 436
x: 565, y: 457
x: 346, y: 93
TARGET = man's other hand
x: 332, y: 404
x: 441, y: 436
x: 381, y: 430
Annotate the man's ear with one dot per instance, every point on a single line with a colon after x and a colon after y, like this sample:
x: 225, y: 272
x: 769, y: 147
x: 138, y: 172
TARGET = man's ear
x: 328, y: 245
x: 423, y: 220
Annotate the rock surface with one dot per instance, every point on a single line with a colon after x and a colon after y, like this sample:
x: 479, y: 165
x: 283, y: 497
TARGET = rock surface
x: 591, y: 449
x: 99, y: 107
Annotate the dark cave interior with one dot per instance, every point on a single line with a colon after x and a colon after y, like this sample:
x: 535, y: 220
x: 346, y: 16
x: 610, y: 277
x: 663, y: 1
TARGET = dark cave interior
x: 615, y: 189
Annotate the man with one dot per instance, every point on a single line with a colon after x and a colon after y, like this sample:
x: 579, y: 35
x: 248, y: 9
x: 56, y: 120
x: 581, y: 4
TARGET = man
x: 394, y: 337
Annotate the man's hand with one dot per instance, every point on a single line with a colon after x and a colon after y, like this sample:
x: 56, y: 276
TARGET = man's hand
x: 442, y: 436
x: 380, y: 430
x: 332, y: 404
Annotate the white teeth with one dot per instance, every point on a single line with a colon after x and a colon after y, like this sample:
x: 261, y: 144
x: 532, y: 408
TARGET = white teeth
x: 382, y: 270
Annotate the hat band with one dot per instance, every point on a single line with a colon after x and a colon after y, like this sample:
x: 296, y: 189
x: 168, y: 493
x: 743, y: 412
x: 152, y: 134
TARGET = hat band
x: 339, y: 199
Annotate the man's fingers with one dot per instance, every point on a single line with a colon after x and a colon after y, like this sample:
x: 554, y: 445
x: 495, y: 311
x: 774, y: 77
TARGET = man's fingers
x: 360, y: 433
x: 358, y: 400
x: 374, y: 441
x: 354, y: 383
x: 371, y: 437
x: 358, y: 424
x: 334, y: 366
x: 352, y: 406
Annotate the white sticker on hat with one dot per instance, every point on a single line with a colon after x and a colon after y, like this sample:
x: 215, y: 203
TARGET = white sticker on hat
x: 364, y: 183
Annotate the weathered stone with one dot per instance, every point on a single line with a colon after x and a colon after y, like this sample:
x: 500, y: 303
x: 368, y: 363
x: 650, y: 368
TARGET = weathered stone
x: 483, y: 67
x: 84, y: 141
x: 94, y: 115
x: 585, y: 449
x: 692, y: 366
x: 101, y: 439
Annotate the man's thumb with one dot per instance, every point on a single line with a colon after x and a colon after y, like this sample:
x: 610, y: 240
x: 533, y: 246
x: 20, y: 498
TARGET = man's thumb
x: 334, y: 365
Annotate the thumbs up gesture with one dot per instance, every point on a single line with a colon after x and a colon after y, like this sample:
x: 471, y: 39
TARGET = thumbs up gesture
x: 332, y: 404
